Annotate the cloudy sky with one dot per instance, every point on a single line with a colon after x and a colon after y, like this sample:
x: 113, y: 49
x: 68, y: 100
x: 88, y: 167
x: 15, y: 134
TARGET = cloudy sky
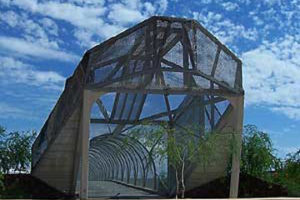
x: 41, y: 42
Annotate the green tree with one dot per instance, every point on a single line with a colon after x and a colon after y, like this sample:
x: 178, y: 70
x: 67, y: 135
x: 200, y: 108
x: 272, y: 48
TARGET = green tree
x: 182, y: 146
x: 15, y: 150
x: 259, y: 160
x: 289, y: 174
x: 257, y: 157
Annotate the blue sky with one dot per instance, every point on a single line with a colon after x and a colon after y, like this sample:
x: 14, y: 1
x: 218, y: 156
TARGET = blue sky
x: 42, y: 41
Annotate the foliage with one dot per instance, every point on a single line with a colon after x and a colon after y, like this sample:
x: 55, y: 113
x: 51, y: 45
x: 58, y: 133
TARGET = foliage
x: 292, y: 173
x: 1, y: 181
x: 182, y: 147
x: 15, y: 151
x: 289, y: 174
x: 257, y: 157
x: 258, y: 160
x: 1, y: 173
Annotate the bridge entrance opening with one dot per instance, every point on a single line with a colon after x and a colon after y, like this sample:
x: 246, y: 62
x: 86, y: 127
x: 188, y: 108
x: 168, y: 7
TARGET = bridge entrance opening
x: 122, y: 163
x: 162, y: 71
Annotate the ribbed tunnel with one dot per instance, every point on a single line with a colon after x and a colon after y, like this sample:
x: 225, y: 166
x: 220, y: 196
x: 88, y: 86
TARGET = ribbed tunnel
x: 123, y: 159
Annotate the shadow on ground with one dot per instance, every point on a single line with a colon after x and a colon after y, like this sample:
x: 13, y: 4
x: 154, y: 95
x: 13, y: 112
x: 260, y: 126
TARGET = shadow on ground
x: 29, y: 187
x: 249, y: 187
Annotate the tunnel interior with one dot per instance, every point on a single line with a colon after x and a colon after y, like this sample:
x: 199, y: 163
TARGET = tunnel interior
x: 118, y: 159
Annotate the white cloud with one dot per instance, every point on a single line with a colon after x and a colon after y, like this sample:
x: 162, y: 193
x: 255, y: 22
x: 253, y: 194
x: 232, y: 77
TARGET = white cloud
x: 88, y: 2
x: 272, y: 76
x: 162, y: 6
x: 9, y: 17
x: 84, y: 37
x: 149, y: 8
x: 271, y: 2
x: 206, y: 1
x: 257, y: 20
x: 285, y: 16
x: 124, y: 15
x: 16, y: 72
x: 249, y: 20
x: 291, y: 112
x: 93, y: 18
x: 25, y: 48
x: 81, y: 14
x: 50, y: 26
x: 134, y: 11
x: 229, y: 6
x: 9, y: 111
x: 37, y: 31
x: 225, y: 29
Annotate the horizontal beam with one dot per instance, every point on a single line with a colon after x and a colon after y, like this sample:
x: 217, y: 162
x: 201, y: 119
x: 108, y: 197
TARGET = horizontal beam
x: 113, y: 121
x: 199, y: 73
x: 227, y: 89
x: 168, y: 90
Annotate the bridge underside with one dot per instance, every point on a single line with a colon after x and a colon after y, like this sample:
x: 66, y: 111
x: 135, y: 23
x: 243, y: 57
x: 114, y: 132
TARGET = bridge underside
x: 162, y: 71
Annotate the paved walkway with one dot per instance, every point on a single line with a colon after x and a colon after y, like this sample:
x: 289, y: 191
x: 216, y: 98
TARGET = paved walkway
x: 110, y: 189
x: 268, y: 198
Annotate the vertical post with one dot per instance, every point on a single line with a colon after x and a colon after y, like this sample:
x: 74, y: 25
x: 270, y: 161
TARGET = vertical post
x: 202, y: 115
x: 84, y: 131
x: 238, y: 104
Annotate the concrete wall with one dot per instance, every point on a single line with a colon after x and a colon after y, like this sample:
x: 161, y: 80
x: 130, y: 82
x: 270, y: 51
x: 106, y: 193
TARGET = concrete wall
x: 216, y: 168
x: 56, y: 166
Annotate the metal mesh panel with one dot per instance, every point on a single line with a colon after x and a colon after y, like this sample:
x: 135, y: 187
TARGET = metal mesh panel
x: 95, y: 112
x: 149, y: 109
x: 181, y: 47
x: 108, y: 101
x: 191, y: 115
x: 206, y: 52
x: 175, y: 54
x: 137, y: 105
x: 101, y: 74
x: 121, y: 101
x: 222, y: 106
x: 173, y: 79
x: 116, y: 48
x: 226, y: 69
x: 100, y: 129
x: 128, y: 106
x: 202, y: 82
x: 175, y: 100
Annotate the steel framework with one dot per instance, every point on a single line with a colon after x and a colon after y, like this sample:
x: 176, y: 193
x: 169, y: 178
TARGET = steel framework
x: 152, y: 63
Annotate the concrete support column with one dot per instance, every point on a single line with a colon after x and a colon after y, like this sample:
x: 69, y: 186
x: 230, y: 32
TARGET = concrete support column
x: 87, y: 102
x: 89, y: 97
x: 238, y: 105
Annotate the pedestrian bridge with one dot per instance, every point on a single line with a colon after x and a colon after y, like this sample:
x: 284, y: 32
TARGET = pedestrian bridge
x: 162, y: 71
